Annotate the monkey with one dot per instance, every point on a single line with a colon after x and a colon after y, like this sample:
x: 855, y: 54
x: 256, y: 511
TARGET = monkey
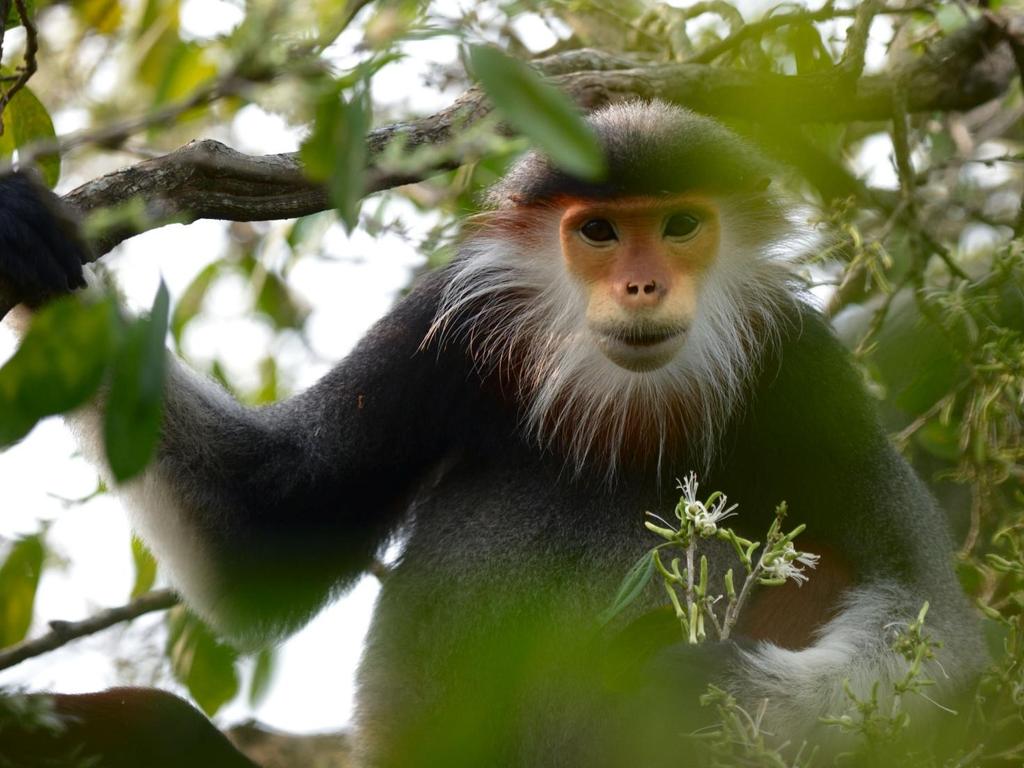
x: 511, y: 420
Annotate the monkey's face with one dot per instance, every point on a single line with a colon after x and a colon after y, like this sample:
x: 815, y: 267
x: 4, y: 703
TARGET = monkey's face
x: 642, y: 261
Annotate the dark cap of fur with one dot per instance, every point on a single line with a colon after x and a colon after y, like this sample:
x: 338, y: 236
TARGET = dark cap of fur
x: 652, y: 148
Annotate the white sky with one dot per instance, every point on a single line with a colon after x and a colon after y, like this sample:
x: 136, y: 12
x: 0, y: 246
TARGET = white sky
x: 313, y: 685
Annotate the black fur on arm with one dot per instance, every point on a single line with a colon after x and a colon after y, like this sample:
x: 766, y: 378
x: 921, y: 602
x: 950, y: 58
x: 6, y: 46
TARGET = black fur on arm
x: 260, y: 514
x: 41, y: 252
x: 813, y: 438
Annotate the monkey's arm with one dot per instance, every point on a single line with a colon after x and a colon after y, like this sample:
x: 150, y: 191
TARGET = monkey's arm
x: 814, y: 440
x: 258, y: 514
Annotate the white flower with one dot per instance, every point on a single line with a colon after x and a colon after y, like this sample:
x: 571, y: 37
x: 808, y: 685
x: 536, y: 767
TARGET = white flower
x: 786, y: 564
x: 689, y: 487
x: 811, y: 561
x: 705, y: 520
x: 781, y: 570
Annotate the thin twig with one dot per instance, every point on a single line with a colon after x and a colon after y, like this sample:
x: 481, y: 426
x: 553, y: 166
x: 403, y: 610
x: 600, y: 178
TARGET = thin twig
x: 974, y: 530
x: 758, y: 29
x: 5, y: 10
x: 880, y: 314
x: 28, y: 68
x: 117, y: 132
x: 732, y: 611
x: 852, y: 62
x: 902, y: 437
x: 901, y: 142
x: 943, y: 253
x: 905, y: 170
x: 63, y: 632
x: 1013, y: 33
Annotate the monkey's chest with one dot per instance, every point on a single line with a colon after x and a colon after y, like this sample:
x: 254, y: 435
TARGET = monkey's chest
x: 522, y: 554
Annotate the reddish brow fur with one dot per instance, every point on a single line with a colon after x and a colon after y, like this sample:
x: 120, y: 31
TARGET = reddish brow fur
x: 518, y: 222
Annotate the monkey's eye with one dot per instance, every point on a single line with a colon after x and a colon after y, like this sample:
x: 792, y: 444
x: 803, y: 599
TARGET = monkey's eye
x: 681, y: 225
x: 598, y: 231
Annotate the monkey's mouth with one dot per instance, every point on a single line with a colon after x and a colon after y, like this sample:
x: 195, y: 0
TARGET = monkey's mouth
x: 640, y: 349
x: 646, y: 338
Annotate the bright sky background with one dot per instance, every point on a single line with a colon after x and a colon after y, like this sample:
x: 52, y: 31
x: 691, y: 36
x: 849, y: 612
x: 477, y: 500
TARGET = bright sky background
x: 313, y: 686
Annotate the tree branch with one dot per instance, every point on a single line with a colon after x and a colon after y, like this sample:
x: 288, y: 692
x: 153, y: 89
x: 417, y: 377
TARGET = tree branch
x: 209, y: 180
x: 63, y: 632
x: 768, y: 24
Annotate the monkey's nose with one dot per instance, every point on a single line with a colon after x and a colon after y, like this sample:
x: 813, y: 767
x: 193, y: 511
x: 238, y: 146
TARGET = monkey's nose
x: 633, y: 289
x: 641, y: 293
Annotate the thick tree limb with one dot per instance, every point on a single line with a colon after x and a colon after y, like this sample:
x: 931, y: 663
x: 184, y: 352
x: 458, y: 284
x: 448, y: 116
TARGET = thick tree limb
x: 63, y: 632
x: 271, y: 748
x: 209, y: 180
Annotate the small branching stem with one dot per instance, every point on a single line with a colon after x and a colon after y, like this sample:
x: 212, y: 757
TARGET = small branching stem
x: 28, y: 67
x: 63, y: 632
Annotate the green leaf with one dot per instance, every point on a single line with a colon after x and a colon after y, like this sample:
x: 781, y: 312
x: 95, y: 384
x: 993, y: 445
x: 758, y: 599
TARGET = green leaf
x: 159, y: 14
x: 269, y: 389
x: 262, y: 675
x: 145, y: 568
x: 25, y: 121
x: 940, y: 440
x: 335, y: 151
x: 918, y: 361
x: 632, y: 585
x: 809, y: 52
x: 539, y: 111
x: 277, y: 302
x: 135, y: 403
x: 14, y: 19
x: 191, y: 301
x: 19, y: 578
x: 200, y: 661
x: 309, y: 229
x: 186, y: 68
x: 58, y: 366
x: 953, y: 16
x: 104, y: 16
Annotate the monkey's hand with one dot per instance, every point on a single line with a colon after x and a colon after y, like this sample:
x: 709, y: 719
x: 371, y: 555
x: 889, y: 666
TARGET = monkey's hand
x: 682, y: 672
x: 41, y: 253
x: 648, y: 661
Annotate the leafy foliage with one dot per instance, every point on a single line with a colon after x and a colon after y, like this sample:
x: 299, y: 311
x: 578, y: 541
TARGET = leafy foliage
x: 200, y: 661
x: 72, y: 347
x: 135, y: 399
x: 539, y: 111
x: 19, y: 577
x: 25, y: 120
x: 59, y: 365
